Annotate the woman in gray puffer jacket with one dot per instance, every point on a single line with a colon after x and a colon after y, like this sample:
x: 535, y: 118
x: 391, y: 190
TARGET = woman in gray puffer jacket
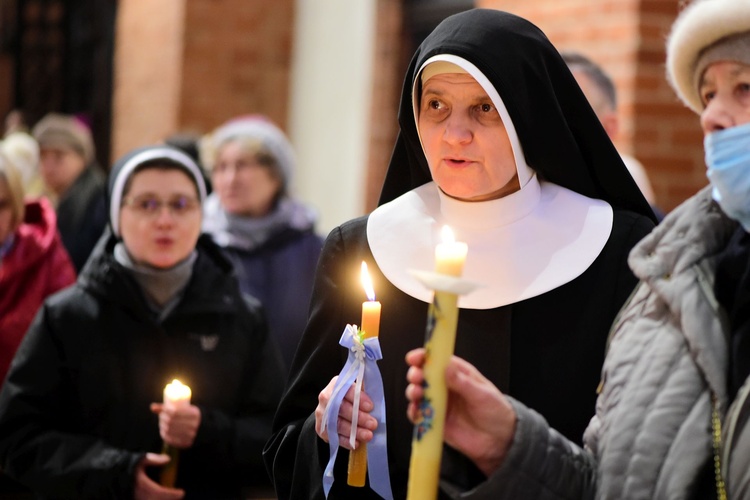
x: 677, y: 357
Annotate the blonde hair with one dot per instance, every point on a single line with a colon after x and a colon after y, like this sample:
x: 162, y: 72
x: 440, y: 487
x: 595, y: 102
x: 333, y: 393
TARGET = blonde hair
x: 12, y: 178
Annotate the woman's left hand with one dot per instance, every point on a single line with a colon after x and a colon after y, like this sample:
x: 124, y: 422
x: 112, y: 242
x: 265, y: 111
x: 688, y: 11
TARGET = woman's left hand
x: 178, y: 425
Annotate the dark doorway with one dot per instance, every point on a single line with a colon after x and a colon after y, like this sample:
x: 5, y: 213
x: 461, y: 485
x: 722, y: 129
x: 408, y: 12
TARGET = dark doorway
x: 63, y: 56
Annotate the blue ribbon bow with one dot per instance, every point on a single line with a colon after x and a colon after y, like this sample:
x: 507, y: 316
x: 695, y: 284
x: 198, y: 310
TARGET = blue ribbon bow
x: 361, y: 364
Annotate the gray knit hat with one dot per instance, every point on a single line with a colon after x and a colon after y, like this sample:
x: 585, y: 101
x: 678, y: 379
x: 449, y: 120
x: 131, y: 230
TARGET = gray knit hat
x: 705, y: 32
x: 66, y: 131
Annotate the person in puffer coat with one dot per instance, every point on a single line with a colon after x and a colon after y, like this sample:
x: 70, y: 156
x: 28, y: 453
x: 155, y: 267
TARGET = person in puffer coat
x: 671, y: 417
x: 33, y: 260
x: 81, y: 413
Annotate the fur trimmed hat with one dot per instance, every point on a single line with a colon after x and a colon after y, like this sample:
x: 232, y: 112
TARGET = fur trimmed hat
x: 706, y: 32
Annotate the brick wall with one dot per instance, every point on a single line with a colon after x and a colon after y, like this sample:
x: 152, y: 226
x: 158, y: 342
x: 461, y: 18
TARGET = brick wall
x: 190, y: 65
x: 627, y: 38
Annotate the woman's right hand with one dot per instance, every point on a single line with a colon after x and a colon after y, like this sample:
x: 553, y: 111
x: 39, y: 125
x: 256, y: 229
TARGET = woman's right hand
x: 366, y: 423
x: 480, y: 421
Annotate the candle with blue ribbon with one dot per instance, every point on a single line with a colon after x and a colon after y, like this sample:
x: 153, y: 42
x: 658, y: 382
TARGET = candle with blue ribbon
x: 364, y: 351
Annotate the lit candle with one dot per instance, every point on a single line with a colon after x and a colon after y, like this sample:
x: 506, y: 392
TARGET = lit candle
x: 177, y: 394
x: 370, y: 328
x: 370, y: 307
x: 450, y: 255
x: 440, y: 339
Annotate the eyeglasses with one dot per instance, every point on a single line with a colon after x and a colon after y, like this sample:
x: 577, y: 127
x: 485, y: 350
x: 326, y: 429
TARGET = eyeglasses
x: 151, y: 206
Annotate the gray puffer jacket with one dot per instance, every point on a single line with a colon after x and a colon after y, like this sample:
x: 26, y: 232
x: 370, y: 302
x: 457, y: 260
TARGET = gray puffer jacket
x: 666, y: 363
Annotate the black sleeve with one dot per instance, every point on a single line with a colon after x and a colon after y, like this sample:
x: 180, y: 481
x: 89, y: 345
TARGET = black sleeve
x: 33, y: 449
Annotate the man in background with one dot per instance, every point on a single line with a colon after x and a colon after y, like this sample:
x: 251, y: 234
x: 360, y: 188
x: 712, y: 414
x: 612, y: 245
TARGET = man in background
x: 602, y: 95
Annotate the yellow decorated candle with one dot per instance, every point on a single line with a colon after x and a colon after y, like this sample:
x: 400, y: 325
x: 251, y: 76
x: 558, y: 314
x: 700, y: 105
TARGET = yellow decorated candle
x: 440, y: 339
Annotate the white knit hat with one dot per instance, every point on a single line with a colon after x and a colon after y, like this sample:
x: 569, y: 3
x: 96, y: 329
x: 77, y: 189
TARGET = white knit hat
x: 258, y: 128
x: 699, y: 27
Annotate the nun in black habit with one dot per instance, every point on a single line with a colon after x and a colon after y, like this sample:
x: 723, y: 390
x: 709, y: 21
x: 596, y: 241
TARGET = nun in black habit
x: 549, y: 247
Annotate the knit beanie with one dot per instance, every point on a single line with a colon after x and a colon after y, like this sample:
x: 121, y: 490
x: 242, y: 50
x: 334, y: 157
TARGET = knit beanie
x: 64, y: 131
x: 253, y: 127
x: 125, y: 166
x: 705, y: 32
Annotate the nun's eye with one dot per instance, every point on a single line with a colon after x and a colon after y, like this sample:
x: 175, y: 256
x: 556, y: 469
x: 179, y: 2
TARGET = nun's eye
x: 486, y: 107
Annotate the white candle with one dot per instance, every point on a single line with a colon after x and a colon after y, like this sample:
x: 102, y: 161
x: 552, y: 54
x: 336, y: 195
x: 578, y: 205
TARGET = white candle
x: 177, y: 393
x: 450, y: 255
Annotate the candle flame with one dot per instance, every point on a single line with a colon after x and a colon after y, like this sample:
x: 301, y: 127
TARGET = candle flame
x: 447, y: 235
x: 367, y: 282
x: 178, y: 390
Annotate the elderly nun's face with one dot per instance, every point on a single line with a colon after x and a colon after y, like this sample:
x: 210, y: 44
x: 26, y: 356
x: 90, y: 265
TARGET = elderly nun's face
x: 725, y: 92
x: 160, y: 218
x: 464, y: 139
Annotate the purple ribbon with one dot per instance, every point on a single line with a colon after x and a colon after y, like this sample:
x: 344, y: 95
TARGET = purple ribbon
x: 361, y: 364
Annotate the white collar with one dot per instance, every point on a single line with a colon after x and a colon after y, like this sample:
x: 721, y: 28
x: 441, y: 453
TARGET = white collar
x: 520, y: 246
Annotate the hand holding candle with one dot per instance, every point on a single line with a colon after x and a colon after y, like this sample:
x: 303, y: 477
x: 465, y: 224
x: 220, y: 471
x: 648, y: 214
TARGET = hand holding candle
x: 370, y: 328
x: 364, y: 351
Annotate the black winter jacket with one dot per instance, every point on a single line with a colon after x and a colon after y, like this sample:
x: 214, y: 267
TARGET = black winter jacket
x: 74, y: 412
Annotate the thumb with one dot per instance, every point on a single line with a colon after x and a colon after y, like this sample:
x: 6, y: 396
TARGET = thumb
x: 156, y: 408
x: 155, y: 459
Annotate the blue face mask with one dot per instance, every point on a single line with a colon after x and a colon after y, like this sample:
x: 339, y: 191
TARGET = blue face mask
x: 728, y: 161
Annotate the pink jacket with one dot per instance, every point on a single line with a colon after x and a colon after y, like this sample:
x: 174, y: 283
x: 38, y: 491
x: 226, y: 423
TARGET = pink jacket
x: 36, y: 266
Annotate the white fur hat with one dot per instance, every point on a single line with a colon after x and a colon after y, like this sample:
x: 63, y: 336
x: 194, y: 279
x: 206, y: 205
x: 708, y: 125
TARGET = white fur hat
x: 698, y: 27
x: 23, y: 151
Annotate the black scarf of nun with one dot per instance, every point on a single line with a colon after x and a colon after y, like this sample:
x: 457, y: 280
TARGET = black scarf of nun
x: 561, y: 137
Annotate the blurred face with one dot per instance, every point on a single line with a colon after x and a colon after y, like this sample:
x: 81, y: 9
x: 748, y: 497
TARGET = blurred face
x: 464, y: 139
x: 598, y: 102
x: 244, y: 186
x: 725, y: 92
x: 59, y: 168
x: 6, y: 212
x: 160, y: 219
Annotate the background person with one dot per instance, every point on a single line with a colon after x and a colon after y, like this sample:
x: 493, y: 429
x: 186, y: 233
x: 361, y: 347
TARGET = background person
x: 601, y: 93
x: 73, y: 182
x: 548, y: 216
x: 267, y: 234
x: 33, y: 262
x: 678, y: 357
x: 155, y: 302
